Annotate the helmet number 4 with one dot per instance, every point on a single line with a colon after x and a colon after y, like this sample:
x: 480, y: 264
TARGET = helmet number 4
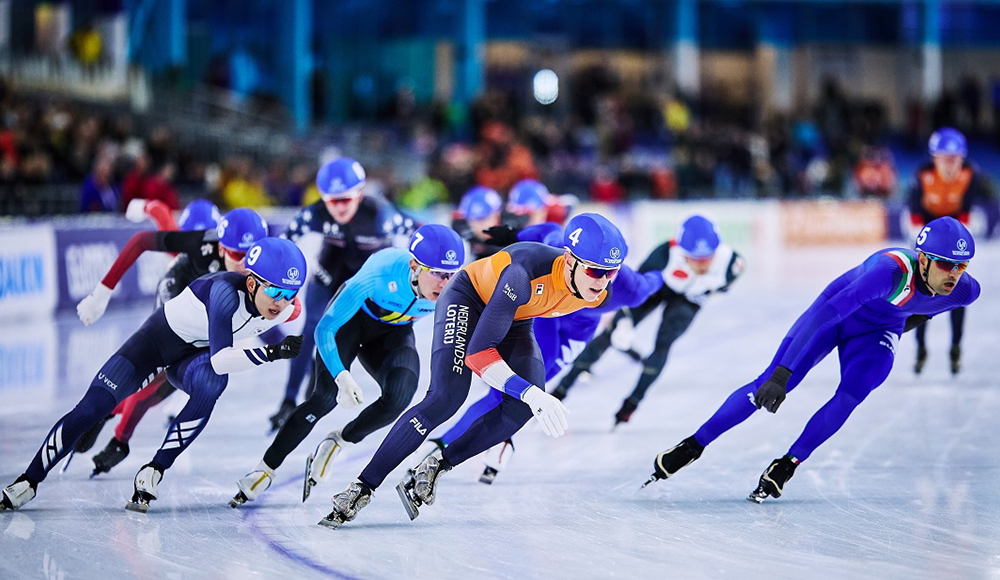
x: 252, y: 255
x: 922, y: 236
x: 417, y: 238
x: 574, y: 236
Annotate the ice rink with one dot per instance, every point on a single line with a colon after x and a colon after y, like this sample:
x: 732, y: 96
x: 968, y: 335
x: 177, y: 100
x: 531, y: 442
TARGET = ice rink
x: 909, y: 488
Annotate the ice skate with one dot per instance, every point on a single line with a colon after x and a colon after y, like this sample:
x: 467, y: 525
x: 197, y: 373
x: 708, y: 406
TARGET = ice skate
x: 113, y: 454
x: 89, y: 437
x: 955, y: 355
x: 347, y: 504
x: 439, y: 446
x: 17, y: 494
x: 918, y: 366
x: 419, y: 488
x: 252, y: 485
x: 497, y: 458
x: 672, y: 460
x: 625, y: 413
x: 318, y: 464
x: 284, y: 412
x: 145, y: 488
x: 773, y: 480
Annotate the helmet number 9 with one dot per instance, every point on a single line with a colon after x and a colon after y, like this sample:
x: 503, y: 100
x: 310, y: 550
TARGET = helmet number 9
x: 417, y: 238
x: 252, y: 255
x: 922, y: 236
x: 575, y: 236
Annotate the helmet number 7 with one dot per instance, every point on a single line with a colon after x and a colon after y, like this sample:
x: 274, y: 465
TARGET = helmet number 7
x: 417, y: 238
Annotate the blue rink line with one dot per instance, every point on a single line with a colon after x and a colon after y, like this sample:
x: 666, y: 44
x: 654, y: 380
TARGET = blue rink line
x: 250, y: 517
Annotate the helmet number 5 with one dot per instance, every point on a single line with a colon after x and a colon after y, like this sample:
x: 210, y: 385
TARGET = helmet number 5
x: 574, y: 236
x: 922, y: 236
x: 252, y: 255
x: 417, y: 238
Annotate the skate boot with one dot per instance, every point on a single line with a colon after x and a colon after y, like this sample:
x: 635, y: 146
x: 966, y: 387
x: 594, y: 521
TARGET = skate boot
x: 110, y: 456
x: 17, y: 494
x: 773, y: 480
x: 497, y: 458
x: 419, y: 489
x: 284, y: 412
x: 318, y: 464
x: 145, y: 488
x: 347, y: 504
x: 89, y: 437
x: 439, y: 446
x: 956, y: 358
x: 669, y: 462
x: 918, y: 366
x: 625, y: 413
x: 252, y: 485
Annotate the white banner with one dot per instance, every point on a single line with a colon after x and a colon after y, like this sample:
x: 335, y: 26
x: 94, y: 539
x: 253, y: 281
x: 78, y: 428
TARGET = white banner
x: 29, y: 286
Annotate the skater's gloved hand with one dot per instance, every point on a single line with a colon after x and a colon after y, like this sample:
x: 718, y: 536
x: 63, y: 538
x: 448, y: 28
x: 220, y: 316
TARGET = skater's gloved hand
x: 501, y: 235
x: 136, y: 210
x: 549, y: 410
x: 348, y: 392
x: 93, y: 305
x: 773, y: 391
x: 623, y: 333
x: 288, y: 348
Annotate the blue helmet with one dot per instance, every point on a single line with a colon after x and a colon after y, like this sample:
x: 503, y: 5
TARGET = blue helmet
x: 526, y: 196
x: 697, y: 237
x: 200, y: 214
x: 341, y: 177
x: 438, y: 247
x: 241, y: 228
x: 278, y: 262
x: 479, y: 203
x: 592, y: 238
x: 947, y: 141
x: 946, y: 238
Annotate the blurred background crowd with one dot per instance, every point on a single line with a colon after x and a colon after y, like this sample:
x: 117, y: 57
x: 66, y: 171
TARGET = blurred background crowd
x: 214, y: 120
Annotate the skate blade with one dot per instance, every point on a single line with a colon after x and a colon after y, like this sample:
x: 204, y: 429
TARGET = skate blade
x: 332, y: 521
x: 409, y: 502
x: 138, y: 507
x: 239, y: 499
x: 757, y: 496
x: 307, y: 482
x: 489, y: 474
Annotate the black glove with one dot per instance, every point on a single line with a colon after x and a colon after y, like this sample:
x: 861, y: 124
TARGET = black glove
x: 288, y: 348
x: 502, y: 236
x: 773, y: 391
x: 915, y: 320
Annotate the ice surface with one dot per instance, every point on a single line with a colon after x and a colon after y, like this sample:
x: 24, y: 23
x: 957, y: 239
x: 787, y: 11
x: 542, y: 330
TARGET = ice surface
x: 907, y: 489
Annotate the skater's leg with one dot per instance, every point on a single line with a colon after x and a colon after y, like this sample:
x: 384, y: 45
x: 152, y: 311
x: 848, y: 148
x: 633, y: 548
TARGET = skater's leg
x: 458, y: 309
x: 499, y: 424
x: 677, y: 317
x: 322, y: 399
x: 740, y: 404
x: 134, y: 407
x: 865, y: 362
x: 396, y: 366
x: 488, y: 402
x: 196, y: 377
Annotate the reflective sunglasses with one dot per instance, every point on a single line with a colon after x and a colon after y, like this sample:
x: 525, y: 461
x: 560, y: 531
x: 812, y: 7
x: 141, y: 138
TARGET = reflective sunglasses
x: 340, y: 200
x: 234, y: 255
x: 439, y: 274
x: 948, y: 265
x: 706, y: 260
x: 275, y: 292
x: 598, y: 273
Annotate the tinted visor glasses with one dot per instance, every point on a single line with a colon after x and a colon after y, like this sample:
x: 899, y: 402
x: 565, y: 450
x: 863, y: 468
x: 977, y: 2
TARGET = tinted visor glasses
x: 234, y: 255
x: 276, y: 292
x: 443, y: 275
x: 343, y: 200
x: 948, y: 265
